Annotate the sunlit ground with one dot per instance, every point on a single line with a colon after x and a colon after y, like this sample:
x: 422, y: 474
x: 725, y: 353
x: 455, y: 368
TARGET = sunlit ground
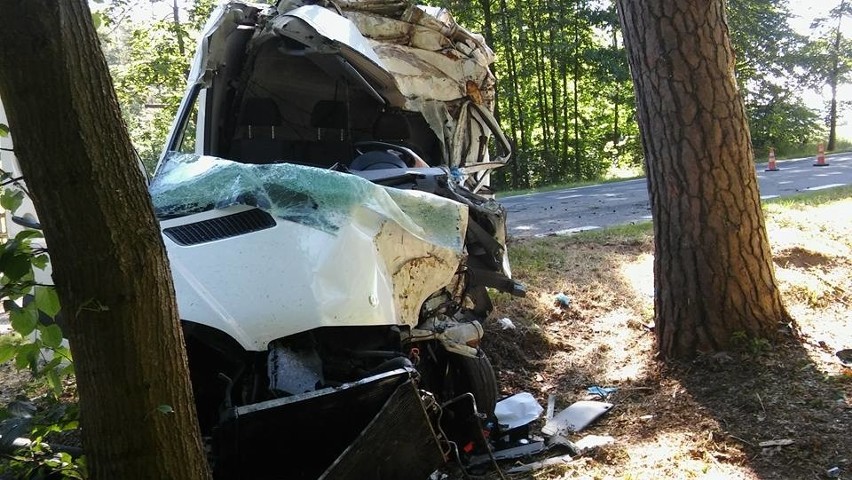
x: 701, y: 421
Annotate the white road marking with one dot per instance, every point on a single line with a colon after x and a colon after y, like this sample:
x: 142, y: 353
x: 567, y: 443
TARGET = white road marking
x: 823, y: 187
x: 569, y: 231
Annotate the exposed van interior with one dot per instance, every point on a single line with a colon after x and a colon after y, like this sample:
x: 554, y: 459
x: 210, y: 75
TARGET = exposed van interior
x: 275, y: 100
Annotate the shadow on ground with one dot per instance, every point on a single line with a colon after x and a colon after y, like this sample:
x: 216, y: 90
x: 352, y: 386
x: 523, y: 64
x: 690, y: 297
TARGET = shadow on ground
x: 703, y: 419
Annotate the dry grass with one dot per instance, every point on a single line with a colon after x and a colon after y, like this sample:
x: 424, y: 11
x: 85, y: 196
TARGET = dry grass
x: 704, y: 419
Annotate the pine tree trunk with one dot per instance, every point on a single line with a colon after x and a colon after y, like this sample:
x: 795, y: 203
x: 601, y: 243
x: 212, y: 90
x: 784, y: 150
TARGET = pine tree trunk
x: 109, y: 263
x: 713, y: 270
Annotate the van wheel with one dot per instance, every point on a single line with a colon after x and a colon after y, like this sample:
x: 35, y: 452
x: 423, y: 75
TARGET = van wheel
x: 476, y: 375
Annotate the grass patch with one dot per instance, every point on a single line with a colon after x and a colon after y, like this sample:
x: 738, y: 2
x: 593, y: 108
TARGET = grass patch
x: 633, y: 232
x: 562, y: 186
x: 809, y: 150
x: 809, y: 199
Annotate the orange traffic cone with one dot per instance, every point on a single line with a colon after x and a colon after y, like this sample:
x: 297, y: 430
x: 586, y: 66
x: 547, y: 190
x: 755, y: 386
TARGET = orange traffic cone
x: 820, y: 162
x: 771, y: 167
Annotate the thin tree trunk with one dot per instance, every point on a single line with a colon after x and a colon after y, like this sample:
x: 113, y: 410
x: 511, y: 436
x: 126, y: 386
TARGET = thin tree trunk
x: 713, y: 271
x: 109, y: 264
x: 176, y: 20
x: 518, y: 180
x: 835, y: 72
x: 566, y: 131
x: 616, y: 100
x: 578, y: 165
x: 553, y: 75
x: 541, y: 87
x: 488, y: 29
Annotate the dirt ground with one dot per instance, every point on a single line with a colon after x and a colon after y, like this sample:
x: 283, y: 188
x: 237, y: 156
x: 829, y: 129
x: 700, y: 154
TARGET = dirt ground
x: 709, y: 418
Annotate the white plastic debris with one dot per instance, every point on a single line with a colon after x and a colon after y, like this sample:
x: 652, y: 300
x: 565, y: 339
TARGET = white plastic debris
x: 563, y: 300
x: 591, y: 441
x: 517, y: 410
x: 506, y: 324
x: 776, y: 443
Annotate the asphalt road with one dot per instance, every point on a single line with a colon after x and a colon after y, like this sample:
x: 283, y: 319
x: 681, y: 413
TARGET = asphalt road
x: 562, y: 212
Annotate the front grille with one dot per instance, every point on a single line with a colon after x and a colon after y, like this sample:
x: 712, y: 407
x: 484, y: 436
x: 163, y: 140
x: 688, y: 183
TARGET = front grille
x: 219, y: 228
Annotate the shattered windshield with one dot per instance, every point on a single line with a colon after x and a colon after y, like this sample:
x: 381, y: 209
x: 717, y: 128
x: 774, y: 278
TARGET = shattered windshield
x: 318, y: 198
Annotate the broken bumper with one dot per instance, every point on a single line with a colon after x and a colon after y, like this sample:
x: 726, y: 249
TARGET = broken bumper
x: 377, y: 427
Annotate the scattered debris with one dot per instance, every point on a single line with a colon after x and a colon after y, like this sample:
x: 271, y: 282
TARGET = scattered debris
x: 513, y: 440
x: 506, y: 324
x: 845, y: 356
x: 510, y: 453
x: 601, y: 392
x: 518, y: 410
x: 563, y: 300
x: 646, y: 417
x: 776, y: 443
x: 833, y: 472
x: 576, y: 417
x: 551, y: 406
x: 529, y: 467
x: 560, y: 441
x: 592, y: 441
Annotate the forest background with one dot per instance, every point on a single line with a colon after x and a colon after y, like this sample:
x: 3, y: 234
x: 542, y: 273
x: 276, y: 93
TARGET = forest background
x: 565, y: 97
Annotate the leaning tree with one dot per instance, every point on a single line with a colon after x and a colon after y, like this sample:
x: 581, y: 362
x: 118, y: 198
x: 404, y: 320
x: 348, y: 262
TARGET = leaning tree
x: 713, y: 272
x: 109, y: 264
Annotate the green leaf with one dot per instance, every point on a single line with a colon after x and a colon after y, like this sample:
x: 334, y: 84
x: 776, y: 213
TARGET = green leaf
x: 54, y: 382
x: 15, y: 266
x: 165, y: 409
x: 62, y: 351
x: 52, y: 364
x: 4, y: 130
x: 97, y: 19
x: 27, y: 234
x: 24, y: 320
x: 7, y: 351
x: 11, y: 199
x: 51, y: 335
x: 40, y: 261
x: 47, y: 300
x: 27, y: 356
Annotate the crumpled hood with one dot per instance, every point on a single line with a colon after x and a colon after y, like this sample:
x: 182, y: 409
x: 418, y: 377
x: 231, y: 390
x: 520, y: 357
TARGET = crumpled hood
x: 343, y: 251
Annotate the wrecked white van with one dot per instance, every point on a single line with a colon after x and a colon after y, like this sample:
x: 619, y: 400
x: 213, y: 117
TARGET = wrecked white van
x: 324, y: 201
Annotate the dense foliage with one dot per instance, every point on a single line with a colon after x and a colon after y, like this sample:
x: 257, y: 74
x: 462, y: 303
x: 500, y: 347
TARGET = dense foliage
x: 31, y: 422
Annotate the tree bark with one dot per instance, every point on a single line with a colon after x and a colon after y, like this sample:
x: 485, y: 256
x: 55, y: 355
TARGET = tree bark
x: 109, y: 264
x: 713, y: 271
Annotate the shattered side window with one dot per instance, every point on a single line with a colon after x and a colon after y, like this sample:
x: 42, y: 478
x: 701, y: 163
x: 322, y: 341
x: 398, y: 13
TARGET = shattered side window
x: 318, y: 198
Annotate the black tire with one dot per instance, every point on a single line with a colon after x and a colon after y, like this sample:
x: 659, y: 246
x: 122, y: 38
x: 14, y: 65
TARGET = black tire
x: 476, y: 375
